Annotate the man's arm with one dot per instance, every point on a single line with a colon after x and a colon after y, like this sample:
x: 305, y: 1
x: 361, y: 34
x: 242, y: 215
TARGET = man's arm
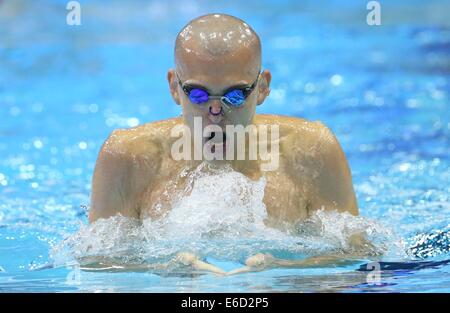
x: 265, y: 261
x: 120, y: 176
x: 333, y: 188
x: 182, y: 261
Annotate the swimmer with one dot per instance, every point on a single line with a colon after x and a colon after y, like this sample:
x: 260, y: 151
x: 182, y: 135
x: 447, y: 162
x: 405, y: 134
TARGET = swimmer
x: 218, y: 80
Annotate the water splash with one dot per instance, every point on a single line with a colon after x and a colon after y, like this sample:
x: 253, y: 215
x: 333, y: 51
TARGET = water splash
x: 433, y: 244
x: 222, y: 215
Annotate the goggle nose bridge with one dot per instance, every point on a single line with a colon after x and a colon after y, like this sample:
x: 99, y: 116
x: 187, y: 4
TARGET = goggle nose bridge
x: 222, y: 100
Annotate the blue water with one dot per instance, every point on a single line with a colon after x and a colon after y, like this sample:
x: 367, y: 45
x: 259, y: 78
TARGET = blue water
x: 383, y: 90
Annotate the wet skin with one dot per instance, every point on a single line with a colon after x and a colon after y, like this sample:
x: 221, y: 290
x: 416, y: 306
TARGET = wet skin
x: 135, y: 165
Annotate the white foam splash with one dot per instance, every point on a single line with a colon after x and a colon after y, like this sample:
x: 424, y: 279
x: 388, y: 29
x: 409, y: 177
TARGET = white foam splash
x: 222, y: 215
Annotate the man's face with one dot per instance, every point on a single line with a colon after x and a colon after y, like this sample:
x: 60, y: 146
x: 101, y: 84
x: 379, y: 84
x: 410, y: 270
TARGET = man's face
x: 218, y: 75
x: 215, y: 54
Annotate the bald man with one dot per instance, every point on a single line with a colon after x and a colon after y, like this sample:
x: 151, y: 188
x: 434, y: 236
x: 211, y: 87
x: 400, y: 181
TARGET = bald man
x: 218, y: 81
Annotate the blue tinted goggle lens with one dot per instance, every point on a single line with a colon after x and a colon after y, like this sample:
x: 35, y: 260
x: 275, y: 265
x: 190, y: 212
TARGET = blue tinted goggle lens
x: 198, y: 96
x: 234, y: 97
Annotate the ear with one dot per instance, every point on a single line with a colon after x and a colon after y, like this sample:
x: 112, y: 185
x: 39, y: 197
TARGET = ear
x: 173, y: 85
x: 264, y: 86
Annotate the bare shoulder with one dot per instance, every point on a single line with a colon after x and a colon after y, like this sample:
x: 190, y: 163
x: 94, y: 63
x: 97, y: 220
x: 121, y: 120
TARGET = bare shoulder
x: 299, y: 133
x: 127, y: 164
x: 334, y: 186
x: 289, y: 123
x: 309, y: 146
x: 315, y: 152
x: 136, y: 152
x: 147, y: 140
x: 311, y: 153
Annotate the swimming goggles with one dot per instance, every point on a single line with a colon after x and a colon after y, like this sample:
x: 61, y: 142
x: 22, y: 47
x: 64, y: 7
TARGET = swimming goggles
x: 234, y: 97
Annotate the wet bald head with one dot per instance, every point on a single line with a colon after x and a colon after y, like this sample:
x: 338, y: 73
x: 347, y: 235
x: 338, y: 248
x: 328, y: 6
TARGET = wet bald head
x: 217, y: 39
x: 218, y: 53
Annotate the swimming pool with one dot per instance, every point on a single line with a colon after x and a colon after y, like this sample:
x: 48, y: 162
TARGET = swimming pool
x: 384, y: 91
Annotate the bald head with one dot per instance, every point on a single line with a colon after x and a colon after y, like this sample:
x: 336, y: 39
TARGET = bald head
x: 218, y: 53
x: 217, y: 38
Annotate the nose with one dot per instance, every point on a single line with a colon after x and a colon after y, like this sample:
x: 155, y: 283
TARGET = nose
x: 215, y: 108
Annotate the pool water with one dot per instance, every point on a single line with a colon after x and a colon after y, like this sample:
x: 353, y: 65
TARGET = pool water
x: 383, y: 90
